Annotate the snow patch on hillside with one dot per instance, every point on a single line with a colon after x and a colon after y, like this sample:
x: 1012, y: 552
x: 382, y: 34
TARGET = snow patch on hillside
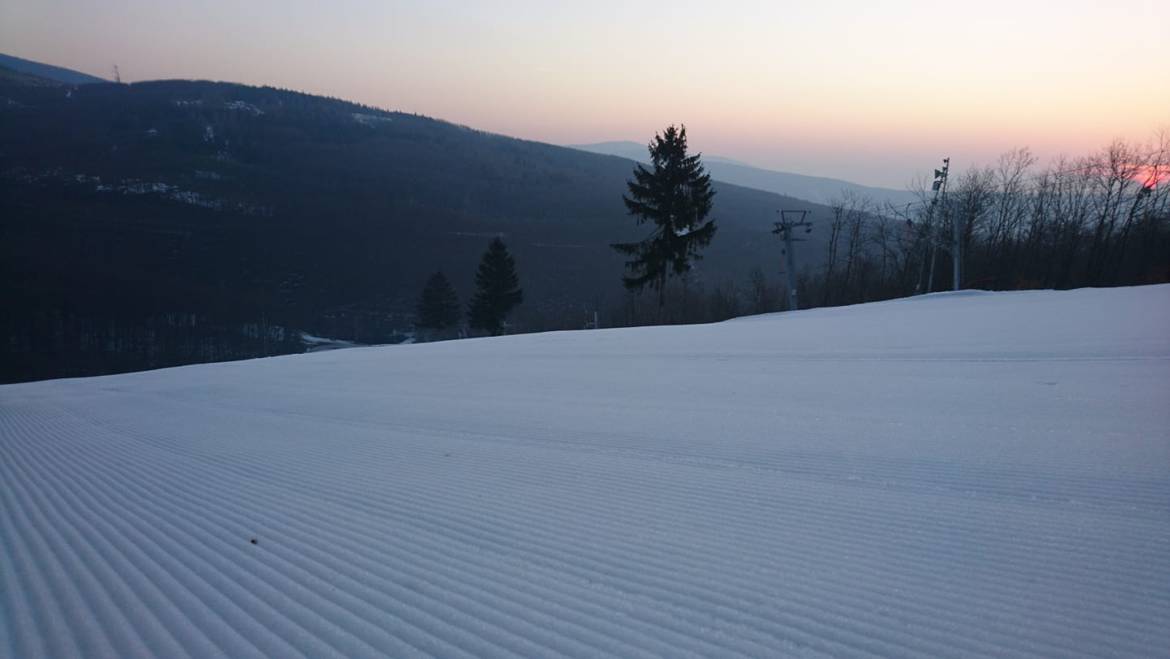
x: 242, y: 106
x: 371, y: 119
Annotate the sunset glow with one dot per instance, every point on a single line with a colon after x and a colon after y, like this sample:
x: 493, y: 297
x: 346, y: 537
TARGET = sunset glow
x: 1152, y: 177
x: 875, y: 92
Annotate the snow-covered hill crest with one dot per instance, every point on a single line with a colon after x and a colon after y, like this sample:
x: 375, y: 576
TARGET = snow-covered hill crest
x: 949, y: 475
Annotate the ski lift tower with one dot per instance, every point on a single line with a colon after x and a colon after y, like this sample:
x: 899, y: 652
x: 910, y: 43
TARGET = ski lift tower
x: 789, y: 221
x: 940, y: 191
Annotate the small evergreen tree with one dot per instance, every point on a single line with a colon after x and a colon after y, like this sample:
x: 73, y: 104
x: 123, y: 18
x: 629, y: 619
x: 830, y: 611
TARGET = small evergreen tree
x: 497, y: 289
x: 438, y: 306
x: 676, y: 196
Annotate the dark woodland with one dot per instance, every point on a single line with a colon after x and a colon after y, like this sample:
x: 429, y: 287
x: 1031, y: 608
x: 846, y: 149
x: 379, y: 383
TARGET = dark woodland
x: 173, y: 222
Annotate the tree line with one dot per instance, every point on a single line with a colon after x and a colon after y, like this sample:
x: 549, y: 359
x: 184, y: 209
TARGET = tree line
x: 1097, y: 220
x: 674, y: 196
x: 438, y: 316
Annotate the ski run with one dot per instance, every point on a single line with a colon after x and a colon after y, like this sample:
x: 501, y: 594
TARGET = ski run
x: 951, y: 475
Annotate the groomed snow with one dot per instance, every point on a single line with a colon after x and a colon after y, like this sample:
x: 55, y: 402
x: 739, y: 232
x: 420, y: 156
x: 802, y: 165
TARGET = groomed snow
x: 950, y: 475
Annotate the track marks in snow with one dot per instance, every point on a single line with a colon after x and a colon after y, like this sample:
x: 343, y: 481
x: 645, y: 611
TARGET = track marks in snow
x: 475, y: 512
x: 160, y: 524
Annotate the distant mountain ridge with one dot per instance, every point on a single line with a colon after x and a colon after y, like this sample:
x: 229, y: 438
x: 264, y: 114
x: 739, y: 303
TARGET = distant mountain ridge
x: 817, y: 189
x: 159, y: 219
x: 48, y: 71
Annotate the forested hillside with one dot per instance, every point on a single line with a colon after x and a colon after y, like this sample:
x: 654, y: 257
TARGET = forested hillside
x: 173, y: 222
x: 177, y: 221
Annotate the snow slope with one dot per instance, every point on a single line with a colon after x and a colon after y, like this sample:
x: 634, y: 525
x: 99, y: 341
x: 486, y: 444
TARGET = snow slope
x: 951, y: 475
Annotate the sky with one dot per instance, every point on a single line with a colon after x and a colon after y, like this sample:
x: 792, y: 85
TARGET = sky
x: 873, y: 92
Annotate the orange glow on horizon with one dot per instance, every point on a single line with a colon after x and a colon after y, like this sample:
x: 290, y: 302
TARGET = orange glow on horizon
x: 1151, y: 176
x: 762, y: 82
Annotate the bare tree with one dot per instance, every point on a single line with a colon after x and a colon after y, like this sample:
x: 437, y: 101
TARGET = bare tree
x: 764, y: 298
x: 857, y: 209
x: 836, y: 226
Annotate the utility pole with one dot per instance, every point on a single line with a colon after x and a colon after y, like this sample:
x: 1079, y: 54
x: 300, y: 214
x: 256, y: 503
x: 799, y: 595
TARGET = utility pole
x: 784, y: 227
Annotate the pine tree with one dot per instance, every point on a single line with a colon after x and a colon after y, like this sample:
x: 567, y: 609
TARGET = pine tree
x: 438, y: 306
x: 497, y: 289
x: 676, y: 196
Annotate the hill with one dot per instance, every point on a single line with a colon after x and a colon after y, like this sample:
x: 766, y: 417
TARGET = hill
x: 818, y: 189
x: 978, y: 474
x: 47, y: 71
x: 170, y: 222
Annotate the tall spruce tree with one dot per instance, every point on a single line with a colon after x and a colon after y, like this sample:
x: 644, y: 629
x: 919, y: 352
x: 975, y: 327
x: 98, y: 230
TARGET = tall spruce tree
x: 497, y: 289
x: 676, y: 196
x: 437, y: 311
